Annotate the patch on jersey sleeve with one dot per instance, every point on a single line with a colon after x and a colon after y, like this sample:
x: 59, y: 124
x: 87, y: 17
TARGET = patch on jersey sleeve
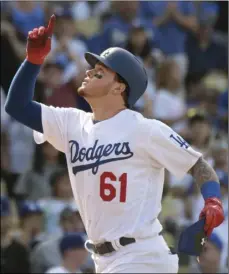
x: 179, y: 140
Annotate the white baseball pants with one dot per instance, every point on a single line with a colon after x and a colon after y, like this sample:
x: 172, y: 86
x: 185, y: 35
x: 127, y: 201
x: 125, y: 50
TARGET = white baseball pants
x: 145, y: 256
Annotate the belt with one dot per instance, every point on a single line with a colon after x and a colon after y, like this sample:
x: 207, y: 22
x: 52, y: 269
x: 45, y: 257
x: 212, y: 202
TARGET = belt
x: 107, y: 247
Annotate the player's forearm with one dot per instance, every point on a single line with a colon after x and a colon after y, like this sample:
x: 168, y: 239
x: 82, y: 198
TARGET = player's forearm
x: 19, y: 102
x: 202, y: 172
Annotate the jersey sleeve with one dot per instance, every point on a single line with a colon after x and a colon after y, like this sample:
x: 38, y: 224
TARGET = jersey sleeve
x: 55, y: 122
x: 170, y: 150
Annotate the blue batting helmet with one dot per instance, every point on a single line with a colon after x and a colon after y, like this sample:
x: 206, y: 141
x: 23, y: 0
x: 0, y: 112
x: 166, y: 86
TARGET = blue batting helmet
x: 126, y: 65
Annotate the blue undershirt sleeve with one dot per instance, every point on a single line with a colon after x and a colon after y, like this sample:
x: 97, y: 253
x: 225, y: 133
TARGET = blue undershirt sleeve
x: 19, y: 102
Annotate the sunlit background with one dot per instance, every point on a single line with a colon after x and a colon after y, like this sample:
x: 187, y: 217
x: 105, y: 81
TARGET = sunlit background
x: 184, y: 47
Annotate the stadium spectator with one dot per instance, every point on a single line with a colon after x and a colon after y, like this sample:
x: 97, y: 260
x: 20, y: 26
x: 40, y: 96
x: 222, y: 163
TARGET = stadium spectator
x: 55, y: 91
x: 31, y: 220
x: 19, y: 145
x: 81, y: 10
x: 34, y: 183
x: 207, y: 10
x: 139, y: 44
x: 61, y: 197
x: 67, y: 46
x: 174, y: 20
x: 47, y: 254
x: 214, y: 257
x: 200, y: 134
x: 20, y: 17
x: 72, y: 252
x: 12, y: 53
x: 168, y: 104
x: 14, y: 254
x: 26, y: 16
x: 220, y: 155
x: 125, y: 15
x: 205, y: 54
x: 99, y: 8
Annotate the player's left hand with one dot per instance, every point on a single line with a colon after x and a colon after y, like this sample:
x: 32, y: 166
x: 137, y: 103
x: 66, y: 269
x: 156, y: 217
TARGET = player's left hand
x: 39, y: 42
x: 213, y: 214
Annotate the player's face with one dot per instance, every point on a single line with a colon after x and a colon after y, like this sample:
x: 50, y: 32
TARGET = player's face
x: 78, y: 256
x: 33, y: 222
x: 200, y: 131
x: 98, y: 82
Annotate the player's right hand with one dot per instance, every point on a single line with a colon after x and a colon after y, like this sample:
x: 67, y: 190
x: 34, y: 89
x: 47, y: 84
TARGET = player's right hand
x: 213, y: 214
x: 39, y: 42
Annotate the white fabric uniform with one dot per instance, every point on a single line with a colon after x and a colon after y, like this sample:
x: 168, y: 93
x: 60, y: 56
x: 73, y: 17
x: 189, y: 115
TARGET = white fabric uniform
x: 60, y: 269
x: 116, y: 169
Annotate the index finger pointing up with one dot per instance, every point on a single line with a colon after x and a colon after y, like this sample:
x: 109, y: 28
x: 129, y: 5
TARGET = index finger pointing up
x: 51, y: 24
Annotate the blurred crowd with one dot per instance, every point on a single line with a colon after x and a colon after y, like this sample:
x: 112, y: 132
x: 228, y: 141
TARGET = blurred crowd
x: 184, y: 47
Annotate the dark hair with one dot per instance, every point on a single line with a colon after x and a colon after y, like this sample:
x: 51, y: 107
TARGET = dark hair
x: 39, y: 161
x: 145, y: 50
x: 126, y: 91
x: 198, y: 117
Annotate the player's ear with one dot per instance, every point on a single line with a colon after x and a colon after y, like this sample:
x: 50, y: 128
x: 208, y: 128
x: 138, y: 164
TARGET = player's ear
x: 119, y: 88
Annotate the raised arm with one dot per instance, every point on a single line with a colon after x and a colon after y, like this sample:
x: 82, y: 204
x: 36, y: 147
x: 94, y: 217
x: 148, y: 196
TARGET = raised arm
x: 19, y: 102
x: 207, y: 180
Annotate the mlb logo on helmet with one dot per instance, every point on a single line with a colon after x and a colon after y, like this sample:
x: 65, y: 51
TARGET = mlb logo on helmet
x: 105, y: 53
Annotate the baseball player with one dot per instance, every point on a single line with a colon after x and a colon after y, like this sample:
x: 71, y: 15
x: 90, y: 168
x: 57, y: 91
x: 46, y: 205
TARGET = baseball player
x: 116, y: 157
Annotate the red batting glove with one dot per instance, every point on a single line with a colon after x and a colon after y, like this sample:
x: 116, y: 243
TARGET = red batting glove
x: 213, y: 214
x: 39, y: 42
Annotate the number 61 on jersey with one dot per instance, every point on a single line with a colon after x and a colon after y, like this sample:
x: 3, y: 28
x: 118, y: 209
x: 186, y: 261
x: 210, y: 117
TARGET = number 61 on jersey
x: 109, y: 191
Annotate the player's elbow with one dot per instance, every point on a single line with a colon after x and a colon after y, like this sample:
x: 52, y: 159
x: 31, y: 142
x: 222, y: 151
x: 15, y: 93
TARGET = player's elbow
x: 11, y: 109
x: 17, y: 112
x: 8, y: 108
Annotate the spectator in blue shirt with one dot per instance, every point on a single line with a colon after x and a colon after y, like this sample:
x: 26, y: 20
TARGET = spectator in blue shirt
x: 207, y: 10
x: 116, y: 29
x: 173, y: 20
x: 27, y: 15
x: 204, y: 54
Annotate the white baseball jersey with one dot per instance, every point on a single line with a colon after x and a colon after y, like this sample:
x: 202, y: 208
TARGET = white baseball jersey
x: 116, y: 168
x: 60, y: 270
